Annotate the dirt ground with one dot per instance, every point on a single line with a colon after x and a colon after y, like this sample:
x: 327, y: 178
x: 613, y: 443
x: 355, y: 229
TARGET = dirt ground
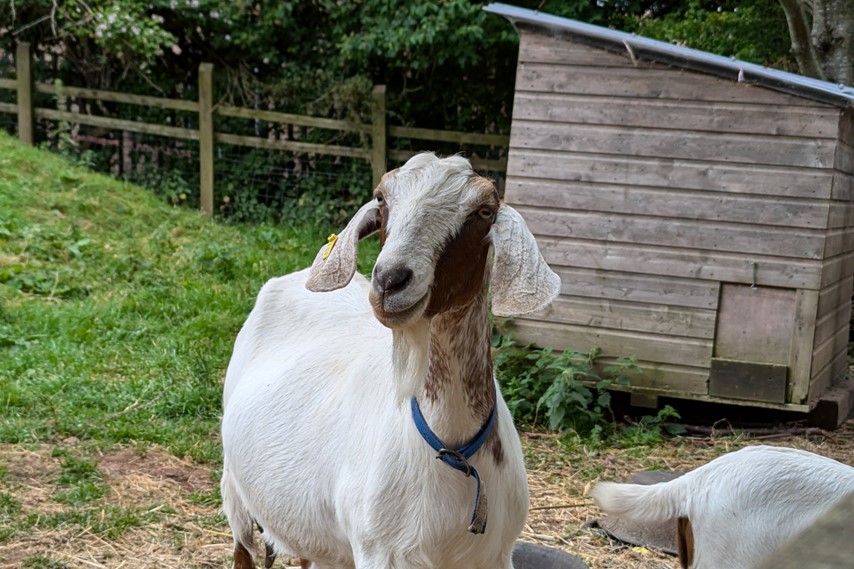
x: 175, y: 526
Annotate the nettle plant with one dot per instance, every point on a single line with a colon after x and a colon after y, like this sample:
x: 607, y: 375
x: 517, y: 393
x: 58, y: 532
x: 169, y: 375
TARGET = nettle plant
x: 562, y: 391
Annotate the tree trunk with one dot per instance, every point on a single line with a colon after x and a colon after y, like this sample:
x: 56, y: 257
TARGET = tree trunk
x: 822, y: 33
x: 833, y: 39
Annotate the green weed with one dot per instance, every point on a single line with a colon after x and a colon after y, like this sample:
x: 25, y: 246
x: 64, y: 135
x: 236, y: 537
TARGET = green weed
x: 109, y: 521
x: 10, y: 511
x: 569, y: 389
x: 41, y: 562
x: 9, y: 505
x: 82, y: 476
x: 569, y: 392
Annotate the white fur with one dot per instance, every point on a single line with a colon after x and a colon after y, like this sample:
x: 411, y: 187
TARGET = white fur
x: 320, y: 448
x: 742, y: 506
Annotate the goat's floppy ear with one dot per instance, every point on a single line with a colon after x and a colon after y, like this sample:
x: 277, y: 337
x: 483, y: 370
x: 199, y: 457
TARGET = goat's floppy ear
x: 335, y: 263
x: 685, y: 542
x: 522, y: 281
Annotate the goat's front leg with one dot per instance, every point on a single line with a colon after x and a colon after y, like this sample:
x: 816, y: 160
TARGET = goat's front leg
x: 242, y: 558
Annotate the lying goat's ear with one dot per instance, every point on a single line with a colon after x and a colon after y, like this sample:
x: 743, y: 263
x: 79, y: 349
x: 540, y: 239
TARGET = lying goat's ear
x: 685, y: 542
x: 522, y: 281
x: 335, y: 263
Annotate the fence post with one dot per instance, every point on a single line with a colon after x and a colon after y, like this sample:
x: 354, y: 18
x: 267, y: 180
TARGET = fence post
x: 24, y: 72
x: 378, y: 134
x: 206, y: 139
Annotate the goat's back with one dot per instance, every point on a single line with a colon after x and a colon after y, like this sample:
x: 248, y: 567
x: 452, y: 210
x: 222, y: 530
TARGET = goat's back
x: 752, y: 477
x: 742, y: 506
x: 287, y: 318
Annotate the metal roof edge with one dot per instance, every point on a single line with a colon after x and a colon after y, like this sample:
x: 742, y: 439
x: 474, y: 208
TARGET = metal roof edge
x: 694, y: 59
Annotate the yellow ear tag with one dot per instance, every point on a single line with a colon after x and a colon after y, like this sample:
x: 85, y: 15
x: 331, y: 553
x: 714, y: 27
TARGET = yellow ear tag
x: 330, y: 244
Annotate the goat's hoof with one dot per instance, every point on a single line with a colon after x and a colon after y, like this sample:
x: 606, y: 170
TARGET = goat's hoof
x: 269, y: 556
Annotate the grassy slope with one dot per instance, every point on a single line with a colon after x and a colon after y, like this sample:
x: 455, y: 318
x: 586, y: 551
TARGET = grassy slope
x: 118, y: 312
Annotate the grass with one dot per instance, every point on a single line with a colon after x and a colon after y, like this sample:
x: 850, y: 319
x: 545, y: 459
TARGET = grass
x: 117, y: 311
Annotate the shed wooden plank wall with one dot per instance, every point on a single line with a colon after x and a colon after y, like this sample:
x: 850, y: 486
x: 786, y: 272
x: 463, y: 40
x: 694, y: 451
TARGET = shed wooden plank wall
x: 647, y: 186
x: 833, y: 317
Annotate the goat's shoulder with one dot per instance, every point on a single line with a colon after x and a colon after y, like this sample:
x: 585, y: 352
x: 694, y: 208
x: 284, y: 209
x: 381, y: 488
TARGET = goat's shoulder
x: 284, y: 301
x: 289, y: 319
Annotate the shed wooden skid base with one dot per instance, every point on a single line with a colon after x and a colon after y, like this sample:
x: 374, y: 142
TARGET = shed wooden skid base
x: 700, y: 211
x: 834, y: 406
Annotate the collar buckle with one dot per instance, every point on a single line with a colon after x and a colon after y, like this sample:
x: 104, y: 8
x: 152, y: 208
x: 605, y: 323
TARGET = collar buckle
x: 448, y: 455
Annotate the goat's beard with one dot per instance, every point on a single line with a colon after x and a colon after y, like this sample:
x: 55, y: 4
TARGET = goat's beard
x: 409, y: 352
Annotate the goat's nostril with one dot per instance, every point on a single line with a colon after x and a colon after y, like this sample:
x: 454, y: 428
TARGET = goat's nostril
x: 393, y: 279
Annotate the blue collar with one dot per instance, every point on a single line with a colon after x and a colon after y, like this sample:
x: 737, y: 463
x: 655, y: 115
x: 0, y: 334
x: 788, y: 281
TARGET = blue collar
x: 458, y: 459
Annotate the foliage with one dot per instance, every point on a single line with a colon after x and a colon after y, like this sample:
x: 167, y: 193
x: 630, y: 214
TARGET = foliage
x: 447, y: 64
x: 649, y: 428
x: 298, y: 192
x: 568, y: 392
x: 570, y: 388
x: 751, y: 30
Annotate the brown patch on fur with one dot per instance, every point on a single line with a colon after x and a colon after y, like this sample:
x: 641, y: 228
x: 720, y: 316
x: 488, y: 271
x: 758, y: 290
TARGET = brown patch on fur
x: 476, y: 363
x: 242, y: 558
x: 383, y: 209
x: 460, y: 315
x: 304, y: 563
x: 462, y: 335
x: 438, y: 373
x: 461, y: 266
x: 493, y: 445
x: 685, y: 542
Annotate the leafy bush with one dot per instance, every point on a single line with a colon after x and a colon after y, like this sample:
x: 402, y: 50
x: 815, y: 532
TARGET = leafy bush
x: 751, y: 30
x: 566, y: 387
x: 568, y: 392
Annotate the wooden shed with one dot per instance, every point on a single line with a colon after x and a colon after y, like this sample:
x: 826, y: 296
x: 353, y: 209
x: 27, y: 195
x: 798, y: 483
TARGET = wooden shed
x: 698, y: 209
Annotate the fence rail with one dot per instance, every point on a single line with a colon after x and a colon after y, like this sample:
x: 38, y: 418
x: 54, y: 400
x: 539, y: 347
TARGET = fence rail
x: 377, y: 151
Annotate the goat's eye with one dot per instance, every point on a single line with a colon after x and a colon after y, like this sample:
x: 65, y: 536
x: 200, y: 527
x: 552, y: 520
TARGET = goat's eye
x: 486, y: 213
x: 379, y: 198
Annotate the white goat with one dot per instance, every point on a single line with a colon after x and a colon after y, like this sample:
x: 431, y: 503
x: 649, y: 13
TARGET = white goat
x: 321, y: 448
x: 739, y: 508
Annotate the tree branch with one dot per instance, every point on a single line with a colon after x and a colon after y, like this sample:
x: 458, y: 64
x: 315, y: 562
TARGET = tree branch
x: 799, y: 32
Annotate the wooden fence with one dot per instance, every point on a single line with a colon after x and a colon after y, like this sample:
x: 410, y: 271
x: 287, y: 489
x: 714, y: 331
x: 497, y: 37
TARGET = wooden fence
x: 207, y: 136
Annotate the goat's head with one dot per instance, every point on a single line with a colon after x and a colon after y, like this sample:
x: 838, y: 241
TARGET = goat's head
x: 437, y: 220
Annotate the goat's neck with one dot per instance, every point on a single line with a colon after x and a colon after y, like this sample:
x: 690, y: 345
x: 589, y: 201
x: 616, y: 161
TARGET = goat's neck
x: 458, y: 392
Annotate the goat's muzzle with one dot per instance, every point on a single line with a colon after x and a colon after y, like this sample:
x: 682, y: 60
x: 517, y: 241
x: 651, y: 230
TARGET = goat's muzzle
x: 392, y: 297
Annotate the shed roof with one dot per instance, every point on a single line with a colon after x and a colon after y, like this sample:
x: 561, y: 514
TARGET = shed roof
x: 693, y: 59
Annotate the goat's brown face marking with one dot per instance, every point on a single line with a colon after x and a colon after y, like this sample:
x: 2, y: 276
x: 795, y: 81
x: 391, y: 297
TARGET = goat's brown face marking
x: 685, y: 542
x: 461, y: 265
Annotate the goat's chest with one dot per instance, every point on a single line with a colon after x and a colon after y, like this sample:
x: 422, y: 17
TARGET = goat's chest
x: 421, y: 508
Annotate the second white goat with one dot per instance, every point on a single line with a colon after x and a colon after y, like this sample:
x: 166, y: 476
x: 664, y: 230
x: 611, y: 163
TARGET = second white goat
x: 739, y: 508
